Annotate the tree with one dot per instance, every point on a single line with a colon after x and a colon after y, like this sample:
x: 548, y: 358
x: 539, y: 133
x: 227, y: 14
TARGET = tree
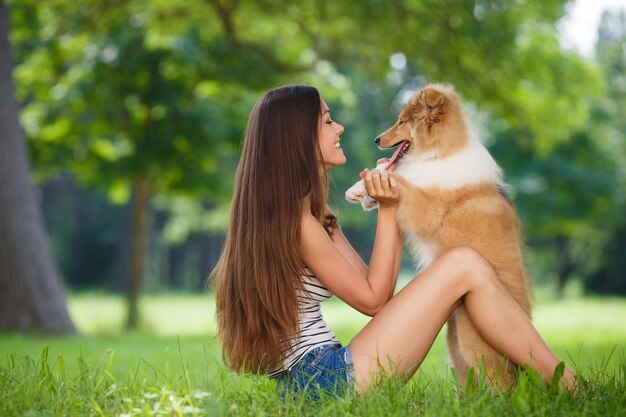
x: 608, y: 276
x: 31, y: 295
x: 139, y: 112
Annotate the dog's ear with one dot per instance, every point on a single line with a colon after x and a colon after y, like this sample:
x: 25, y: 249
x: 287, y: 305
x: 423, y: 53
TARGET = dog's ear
x: 433, y: 101
x: 433, y: 98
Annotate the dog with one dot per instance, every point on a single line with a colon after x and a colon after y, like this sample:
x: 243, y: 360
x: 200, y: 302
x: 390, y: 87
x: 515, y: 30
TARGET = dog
x: 451, y: 194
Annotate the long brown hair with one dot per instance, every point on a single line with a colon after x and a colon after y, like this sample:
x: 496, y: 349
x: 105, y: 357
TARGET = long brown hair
x: 258, y: 274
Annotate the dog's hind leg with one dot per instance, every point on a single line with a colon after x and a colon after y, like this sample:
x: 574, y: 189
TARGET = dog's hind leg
x: 500, y: 372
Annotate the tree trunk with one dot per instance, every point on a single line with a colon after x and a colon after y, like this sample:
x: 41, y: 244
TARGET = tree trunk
x: 31, y: 294
x: 139, y: 225
x: 119, y: 282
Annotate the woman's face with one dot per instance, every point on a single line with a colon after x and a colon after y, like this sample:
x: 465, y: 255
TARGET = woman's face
x: 328, y: 137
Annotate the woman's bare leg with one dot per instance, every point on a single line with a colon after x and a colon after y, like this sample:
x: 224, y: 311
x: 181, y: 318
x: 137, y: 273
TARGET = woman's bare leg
x: 400, y: 335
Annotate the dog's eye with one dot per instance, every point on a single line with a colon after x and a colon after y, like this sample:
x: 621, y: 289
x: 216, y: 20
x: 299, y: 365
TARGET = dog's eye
x: 400, y: 122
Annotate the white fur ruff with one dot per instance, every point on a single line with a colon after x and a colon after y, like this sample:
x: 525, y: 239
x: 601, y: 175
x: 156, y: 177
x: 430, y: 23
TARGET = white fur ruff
x: 472, y: 165
x: 424, y: 251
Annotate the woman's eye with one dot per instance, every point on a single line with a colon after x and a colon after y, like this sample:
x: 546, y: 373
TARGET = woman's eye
x: 330, y: 121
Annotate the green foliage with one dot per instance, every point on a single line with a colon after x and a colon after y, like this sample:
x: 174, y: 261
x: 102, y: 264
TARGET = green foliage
x: 115, y: 91
x: 162, y: 89
x: 572, y: 199
x: 126, y: 100
x: 608, y: 277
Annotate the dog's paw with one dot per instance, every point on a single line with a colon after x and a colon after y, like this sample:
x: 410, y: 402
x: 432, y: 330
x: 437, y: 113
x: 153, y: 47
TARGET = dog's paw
x: 356, y: 194
x: 369, y: 203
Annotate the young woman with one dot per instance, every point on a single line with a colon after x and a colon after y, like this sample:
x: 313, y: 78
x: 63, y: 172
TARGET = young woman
x: 285, y: 252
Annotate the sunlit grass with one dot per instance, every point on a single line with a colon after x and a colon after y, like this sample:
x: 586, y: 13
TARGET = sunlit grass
x: 172, y: 366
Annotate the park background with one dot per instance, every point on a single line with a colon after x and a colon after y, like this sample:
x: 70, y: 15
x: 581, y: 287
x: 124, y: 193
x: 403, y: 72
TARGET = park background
x: 129, y: 122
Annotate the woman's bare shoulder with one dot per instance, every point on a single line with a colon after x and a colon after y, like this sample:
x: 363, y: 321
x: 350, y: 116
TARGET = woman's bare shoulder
x: 310, y: 226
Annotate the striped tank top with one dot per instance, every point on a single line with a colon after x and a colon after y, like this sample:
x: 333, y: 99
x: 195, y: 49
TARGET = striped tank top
x: 313, y: 330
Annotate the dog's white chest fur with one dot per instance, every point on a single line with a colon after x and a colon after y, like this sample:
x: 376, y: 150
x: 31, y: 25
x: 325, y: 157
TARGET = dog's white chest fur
x: 472, y: 165
x: 424, y: 251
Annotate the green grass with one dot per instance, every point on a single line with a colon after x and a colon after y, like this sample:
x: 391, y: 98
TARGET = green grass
x: 172, y: 366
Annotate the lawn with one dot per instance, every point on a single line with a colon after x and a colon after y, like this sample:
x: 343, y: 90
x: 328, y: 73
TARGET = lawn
x: 172, y: 366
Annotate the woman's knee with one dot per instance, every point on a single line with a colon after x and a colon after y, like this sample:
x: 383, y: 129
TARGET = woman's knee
x: 470, y: 266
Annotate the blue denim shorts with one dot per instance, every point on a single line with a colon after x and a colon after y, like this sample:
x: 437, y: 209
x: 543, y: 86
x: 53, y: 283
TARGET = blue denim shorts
x: 326, y: 370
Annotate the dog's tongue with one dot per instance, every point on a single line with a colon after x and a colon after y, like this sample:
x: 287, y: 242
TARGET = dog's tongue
x: 396, y: 155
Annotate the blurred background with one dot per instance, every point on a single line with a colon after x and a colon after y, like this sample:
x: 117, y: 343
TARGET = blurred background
x: 133, y: 114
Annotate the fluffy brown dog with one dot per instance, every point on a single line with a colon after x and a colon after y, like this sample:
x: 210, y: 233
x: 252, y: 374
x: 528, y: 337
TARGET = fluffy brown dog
x: 450, y: 196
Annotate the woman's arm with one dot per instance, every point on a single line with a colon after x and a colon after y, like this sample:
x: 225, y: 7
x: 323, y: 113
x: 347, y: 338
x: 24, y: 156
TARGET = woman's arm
x: 367, y: 290
x: 342, y: 243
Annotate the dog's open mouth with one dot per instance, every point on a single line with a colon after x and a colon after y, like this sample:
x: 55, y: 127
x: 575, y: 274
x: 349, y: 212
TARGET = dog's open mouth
x: 403, y: 147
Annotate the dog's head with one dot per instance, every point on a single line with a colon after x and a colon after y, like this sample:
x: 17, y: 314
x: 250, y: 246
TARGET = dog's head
x: 431, y: 122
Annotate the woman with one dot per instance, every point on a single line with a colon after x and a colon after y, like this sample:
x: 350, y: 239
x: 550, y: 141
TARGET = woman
x: 285, y: 252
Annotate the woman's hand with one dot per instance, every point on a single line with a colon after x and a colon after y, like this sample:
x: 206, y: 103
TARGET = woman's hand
x: 382, y: 187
